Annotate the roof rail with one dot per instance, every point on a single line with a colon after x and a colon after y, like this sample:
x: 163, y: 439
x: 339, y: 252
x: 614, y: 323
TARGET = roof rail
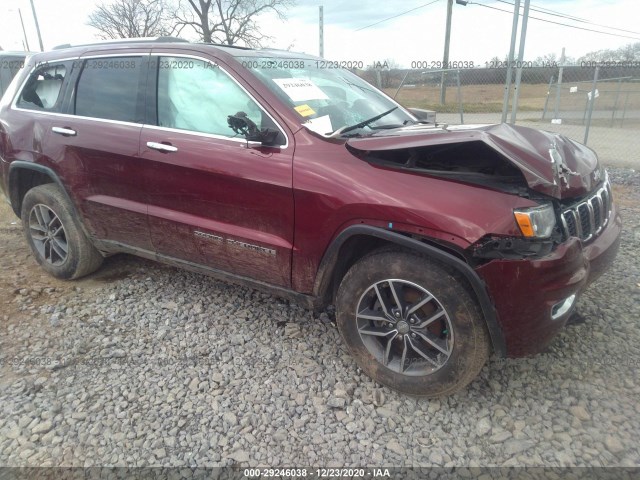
x: 278, y: 50
x: 120, y: 41
x: 226, y: 46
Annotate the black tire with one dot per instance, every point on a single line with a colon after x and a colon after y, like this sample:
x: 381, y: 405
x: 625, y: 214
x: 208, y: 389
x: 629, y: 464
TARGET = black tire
x: 47, y: 204
x: 456, y: 343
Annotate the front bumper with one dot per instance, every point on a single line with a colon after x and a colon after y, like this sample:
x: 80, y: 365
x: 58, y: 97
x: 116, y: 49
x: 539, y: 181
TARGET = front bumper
x: 524, y: 292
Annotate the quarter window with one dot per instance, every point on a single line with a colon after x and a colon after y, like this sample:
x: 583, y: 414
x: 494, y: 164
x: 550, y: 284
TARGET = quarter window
x: 42, y: 90
x: 198, y: 96
x: 110, y: 88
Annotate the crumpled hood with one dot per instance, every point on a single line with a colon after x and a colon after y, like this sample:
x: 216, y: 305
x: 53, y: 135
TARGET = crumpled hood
x: 574, y: 173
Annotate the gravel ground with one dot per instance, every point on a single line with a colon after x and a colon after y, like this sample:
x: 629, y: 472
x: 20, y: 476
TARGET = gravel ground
x: 143, y: 364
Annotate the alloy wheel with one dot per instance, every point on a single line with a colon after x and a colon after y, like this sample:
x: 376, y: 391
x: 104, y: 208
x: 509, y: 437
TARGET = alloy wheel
x: 404, y: 327
x: 48, y: 235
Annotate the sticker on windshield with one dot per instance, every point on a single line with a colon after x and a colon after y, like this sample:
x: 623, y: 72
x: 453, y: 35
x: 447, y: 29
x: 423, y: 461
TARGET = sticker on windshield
x: 321, y: 125
x: 300, y: 89
x: 304, y: 110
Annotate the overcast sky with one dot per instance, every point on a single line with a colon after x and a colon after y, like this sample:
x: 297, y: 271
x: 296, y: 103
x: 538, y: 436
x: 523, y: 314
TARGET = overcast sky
x: 478, y: 33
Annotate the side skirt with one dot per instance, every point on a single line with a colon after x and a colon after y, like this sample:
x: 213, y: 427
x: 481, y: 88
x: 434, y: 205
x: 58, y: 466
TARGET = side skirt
x: 109, y: 247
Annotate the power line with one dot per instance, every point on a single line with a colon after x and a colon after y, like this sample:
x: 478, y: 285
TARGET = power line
x: 559, y: 23
x: 548, y: 11
x: 542, y: 10
x: 554, y: 13
x: 545, y: 10
x: 398, y: 15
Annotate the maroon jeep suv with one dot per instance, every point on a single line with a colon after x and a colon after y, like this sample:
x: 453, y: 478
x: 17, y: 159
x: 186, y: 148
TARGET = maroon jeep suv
x: 436, y: 244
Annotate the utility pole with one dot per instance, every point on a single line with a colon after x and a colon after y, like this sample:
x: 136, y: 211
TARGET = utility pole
x: 507, y: 83
x: 445, y: 56
x: 523, y: 37
x: 559, y: 86
x: 35, y: 19
x: 24, y: 32
x: 321, y: 20
x: 591, y: 102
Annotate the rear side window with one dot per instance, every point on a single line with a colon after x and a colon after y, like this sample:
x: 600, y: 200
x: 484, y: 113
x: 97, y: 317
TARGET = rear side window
x: 42, y: 89
x: 110, y: 88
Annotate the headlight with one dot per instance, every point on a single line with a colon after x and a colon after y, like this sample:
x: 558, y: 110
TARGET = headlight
x: 536, y: 222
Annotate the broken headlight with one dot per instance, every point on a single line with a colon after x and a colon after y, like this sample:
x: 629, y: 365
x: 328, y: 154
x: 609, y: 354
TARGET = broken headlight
x: 536, y: 222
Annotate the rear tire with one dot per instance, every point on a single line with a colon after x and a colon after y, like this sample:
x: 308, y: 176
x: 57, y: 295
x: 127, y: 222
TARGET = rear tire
x: 411, y: 324
x: 55, y: 236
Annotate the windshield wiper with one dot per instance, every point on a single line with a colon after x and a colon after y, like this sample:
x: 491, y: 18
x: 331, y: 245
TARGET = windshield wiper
x: 388, y: 127
x: 362, y: 124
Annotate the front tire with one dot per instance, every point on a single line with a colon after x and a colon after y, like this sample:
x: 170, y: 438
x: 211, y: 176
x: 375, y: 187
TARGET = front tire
x: 411, y: 324
x: 55, y: 236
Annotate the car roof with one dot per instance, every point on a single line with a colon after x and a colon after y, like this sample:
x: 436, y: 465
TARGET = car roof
x: 173, y: 43
x: 263, y: 52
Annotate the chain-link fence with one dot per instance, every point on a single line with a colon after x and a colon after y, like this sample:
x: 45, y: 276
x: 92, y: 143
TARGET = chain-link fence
x: 550, y: 98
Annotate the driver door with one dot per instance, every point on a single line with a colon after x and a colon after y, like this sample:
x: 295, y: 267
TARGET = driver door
x: 213, y: 200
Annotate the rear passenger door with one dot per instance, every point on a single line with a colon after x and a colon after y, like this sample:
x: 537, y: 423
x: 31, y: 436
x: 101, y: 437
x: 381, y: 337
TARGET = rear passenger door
x: 212, y: 200
x: 97, y: 141
x: 38, y: 104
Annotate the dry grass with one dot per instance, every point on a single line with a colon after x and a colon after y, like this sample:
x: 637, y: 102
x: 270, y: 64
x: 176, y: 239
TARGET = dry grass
x: 488, y: 98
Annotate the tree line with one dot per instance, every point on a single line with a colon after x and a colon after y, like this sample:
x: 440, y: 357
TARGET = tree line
x: 229, y: 22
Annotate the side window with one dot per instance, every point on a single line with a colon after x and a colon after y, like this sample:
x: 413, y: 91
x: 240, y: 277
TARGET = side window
x: 42, y: 89
x: 110, y: 88
x: 198, y: 96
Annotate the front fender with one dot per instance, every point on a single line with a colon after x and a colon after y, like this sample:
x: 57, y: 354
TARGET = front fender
x: 330, y: 260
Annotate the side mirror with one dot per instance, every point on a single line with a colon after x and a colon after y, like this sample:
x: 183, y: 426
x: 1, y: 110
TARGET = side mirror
x: 425, y: 116
x: 243, y: 125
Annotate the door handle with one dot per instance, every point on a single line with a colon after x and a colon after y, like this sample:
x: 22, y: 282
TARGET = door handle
x: 251, y: 144
x: 162, y: 147
x: 67, y: 132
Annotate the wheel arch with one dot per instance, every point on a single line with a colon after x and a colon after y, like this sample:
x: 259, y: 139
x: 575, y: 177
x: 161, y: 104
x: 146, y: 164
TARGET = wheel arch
x: 23, y: 176
x: 356, y: 241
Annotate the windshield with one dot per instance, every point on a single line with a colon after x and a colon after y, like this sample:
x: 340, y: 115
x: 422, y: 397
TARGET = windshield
x: 328, y: 100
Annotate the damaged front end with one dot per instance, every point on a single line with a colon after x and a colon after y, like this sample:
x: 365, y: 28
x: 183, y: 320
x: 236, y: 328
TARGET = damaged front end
x: 502, y: 156
x: 535, y: 253
x: 472, y: 162
x: 556, y: 173
x: 494, y: 247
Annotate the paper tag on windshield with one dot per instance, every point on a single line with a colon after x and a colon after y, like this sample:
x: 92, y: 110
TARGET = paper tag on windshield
x: 321, y: 125
x: 304, y: 110
x: 300, y: 89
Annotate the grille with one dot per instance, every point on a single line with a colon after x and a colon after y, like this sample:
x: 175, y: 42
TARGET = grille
x: 586, y: 219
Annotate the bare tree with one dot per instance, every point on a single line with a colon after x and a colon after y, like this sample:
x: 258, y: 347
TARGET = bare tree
x: 383, y: 73
x: 132, y: 19
x: 547, y: 60
x: 230, y: 22
x: 629, y: 52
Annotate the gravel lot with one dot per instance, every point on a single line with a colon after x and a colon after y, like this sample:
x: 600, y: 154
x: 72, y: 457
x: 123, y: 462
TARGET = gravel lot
x: 143, y: 364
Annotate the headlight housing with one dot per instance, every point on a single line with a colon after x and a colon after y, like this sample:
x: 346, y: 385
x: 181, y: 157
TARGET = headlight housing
x: 536, y: 222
